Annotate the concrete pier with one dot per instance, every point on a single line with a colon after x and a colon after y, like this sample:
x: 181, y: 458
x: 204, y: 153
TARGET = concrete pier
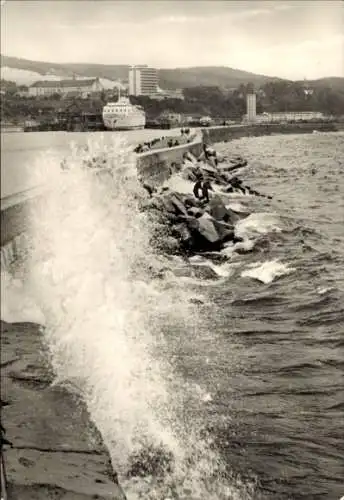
x: 56, y: 452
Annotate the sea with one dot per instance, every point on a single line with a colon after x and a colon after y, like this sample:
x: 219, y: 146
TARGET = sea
x: 210, y: 378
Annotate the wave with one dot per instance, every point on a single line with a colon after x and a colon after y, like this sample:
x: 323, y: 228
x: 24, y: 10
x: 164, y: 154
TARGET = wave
x: 267, y: 271
x: 108, y: 324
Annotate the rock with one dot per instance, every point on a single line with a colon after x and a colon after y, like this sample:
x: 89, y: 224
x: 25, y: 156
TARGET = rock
x: 178, y: 203
x: 209, y: 169
x: 223, y: 178
x: 188, y: 163
x: 217, y: 209
x: 207, y: 229
x: 189, y: 156
x: 147, y: 205
x: 196, y: 301
x: 149, y: 188
x: 158, y: 217
x: 154, y: 204
x: 189, y: 174
x: 192, y: 223
x: 236, y: 182
x: 170, y: 245
x: 215, y: 256
x: 204, y: 272
x: 220, y: 157
x: 183, y: 272
x: 195, y: 212
x: 183, y: 232
x: 225, y: 231
x: 189, y: 201
x: 168, y: 203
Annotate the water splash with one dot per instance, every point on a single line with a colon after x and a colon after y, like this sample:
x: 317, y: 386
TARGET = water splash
x: 267, y: 271
x: 108, y: 324
x: 257, y: 224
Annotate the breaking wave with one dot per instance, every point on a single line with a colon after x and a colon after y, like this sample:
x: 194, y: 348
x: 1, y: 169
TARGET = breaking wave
x: 110, y: 319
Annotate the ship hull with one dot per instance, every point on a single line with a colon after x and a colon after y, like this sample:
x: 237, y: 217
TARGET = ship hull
x: 125, y: 123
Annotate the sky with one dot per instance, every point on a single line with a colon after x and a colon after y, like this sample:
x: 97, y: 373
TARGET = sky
x: 285, y: 38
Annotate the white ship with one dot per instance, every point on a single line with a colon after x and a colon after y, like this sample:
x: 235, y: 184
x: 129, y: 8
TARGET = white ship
x: 122, y: 115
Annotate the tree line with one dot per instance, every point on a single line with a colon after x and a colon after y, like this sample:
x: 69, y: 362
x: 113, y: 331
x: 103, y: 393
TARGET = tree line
x: 273, y: 96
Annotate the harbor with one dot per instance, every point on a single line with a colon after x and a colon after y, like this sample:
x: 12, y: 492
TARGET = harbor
x: 172, y: 250
x: 206, y: 258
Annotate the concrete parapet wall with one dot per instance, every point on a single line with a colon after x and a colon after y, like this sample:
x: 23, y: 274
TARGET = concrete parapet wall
x: 156, y: 165
x: 212, y: 135
x: 15, y: 210
x: 14, y: 221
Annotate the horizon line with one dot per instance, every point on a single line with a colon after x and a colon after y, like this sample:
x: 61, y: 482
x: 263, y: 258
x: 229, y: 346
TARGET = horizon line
x: 171, y: 68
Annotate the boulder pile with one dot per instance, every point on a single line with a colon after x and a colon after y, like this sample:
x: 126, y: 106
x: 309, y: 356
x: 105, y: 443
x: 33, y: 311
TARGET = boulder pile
x: 199, y: 221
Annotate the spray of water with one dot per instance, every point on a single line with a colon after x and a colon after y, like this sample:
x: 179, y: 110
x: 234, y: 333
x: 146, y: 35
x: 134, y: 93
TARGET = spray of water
x: 107, y: 325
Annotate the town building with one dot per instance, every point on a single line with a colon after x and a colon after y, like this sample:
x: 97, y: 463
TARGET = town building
x: 289, y: 116
x: 143, y: 81
x: 168, y: 94
x: 171, y: 117
x: 82, y: 88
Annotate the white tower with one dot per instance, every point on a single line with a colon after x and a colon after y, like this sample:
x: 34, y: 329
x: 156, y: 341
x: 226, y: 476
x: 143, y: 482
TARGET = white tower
x: 251, y: 107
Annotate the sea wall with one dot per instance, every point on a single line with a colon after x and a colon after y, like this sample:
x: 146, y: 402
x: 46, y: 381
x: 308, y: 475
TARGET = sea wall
x: 15, y: 216
x: 56, y: 450
x: 212, y: 135
x: 155, y: 166
x: 15, y: 211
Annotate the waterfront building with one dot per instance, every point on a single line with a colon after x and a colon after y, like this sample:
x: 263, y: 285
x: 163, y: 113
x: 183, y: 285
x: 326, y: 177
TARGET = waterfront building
x: 143, y: 80
x: 289, y: 116
x: 64, y: 87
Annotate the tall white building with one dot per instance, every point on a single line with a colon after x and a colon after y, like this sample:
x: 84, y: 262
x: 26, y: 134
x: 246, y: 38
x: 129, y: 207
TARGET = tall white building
x: 251, y: 107
x: 143, y: 80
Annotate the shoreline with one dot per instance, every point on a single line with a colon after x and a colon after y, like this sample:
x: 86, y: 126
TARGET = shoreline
x: 255, y: 129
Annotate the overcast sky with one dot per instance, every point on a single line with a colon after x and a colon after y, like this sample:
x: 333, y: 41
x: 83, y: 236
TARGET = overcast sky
x: 291, y: 39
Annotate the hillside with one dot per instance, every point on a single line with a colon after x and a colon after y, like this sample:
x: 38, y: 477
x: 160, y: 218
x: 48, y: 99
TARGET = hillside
x: 111, y: 72
x: 334, y: 82
x: 24, y: 71
x: 168, y: 78
x: 209, y: 76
